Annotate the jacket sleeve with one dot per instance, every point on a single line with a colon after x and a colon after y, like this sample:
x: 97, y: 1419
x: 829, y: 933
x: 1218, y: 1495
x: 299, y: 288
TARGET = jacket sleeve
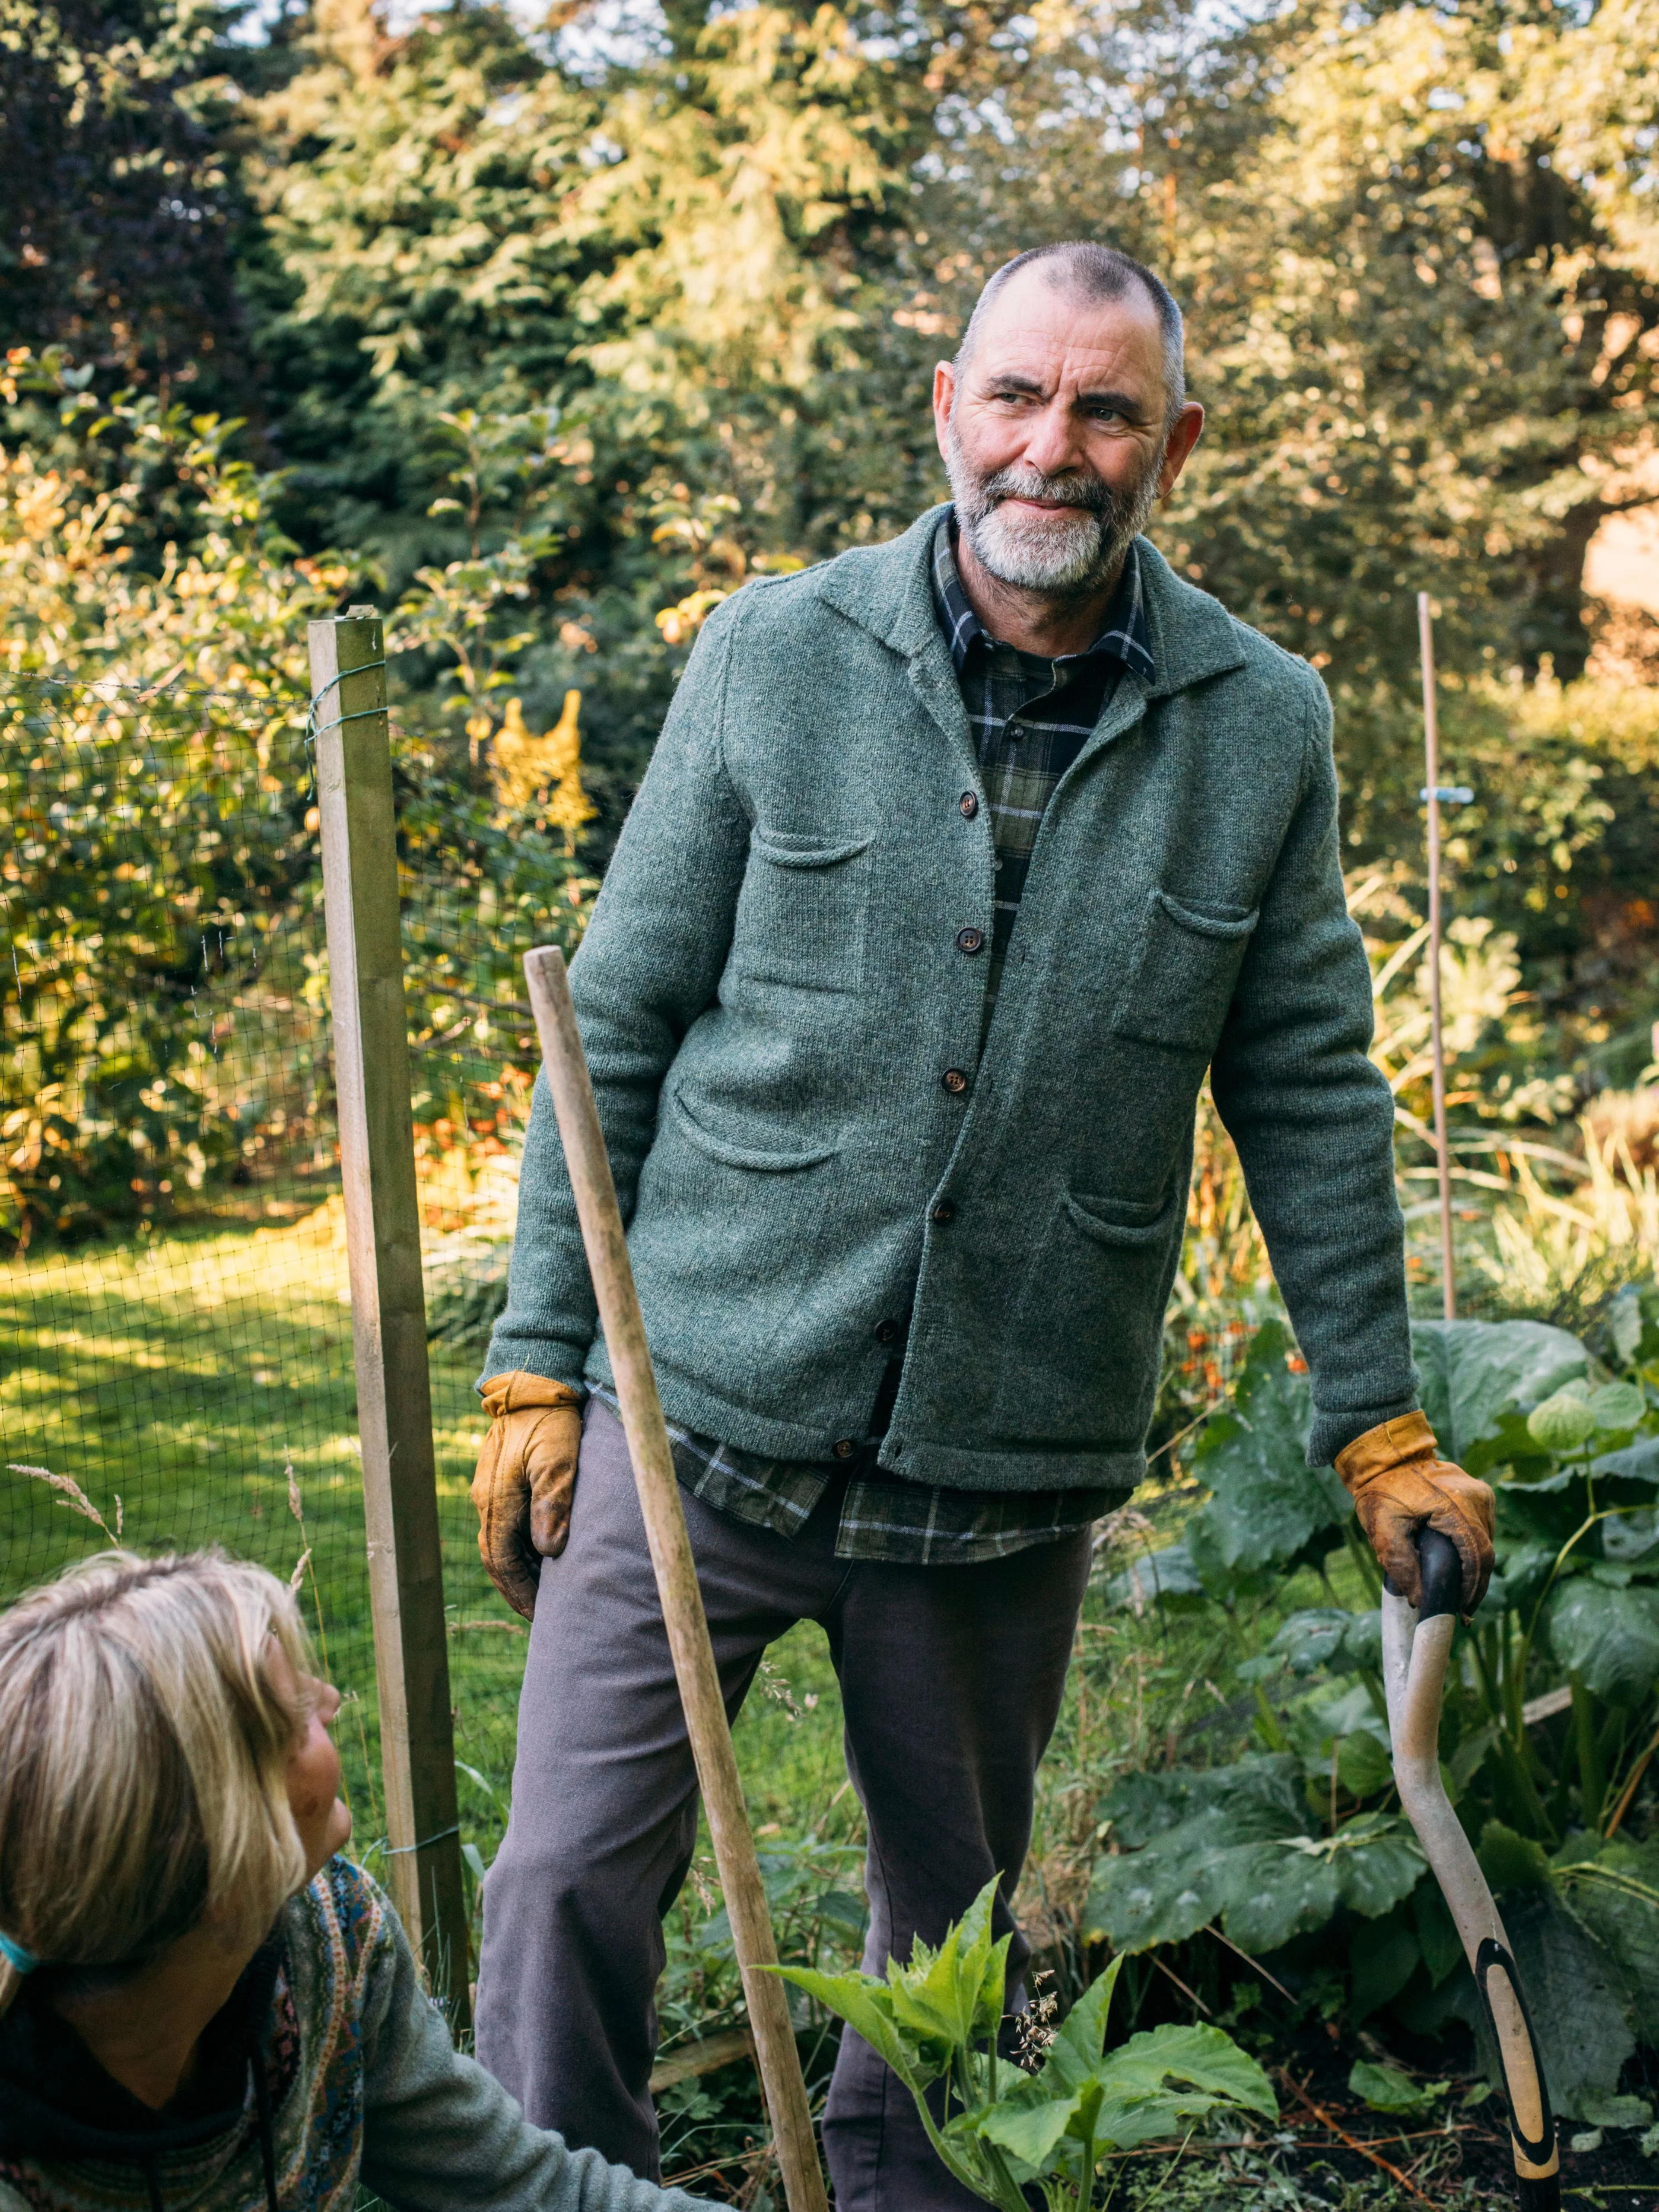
x: 650, y: 962
x: 1313, y: 1120
x: 440, y: 2135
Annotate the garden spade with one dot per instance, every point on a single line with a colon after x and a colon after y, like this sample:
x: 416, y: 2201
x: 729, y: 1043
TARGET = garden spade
x: 676, y: 1575
x: 1416, y: 1648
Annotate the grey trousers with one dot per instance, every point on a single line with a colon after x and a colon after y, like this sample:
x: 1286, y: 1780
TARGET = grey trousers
x: 951, y: 1680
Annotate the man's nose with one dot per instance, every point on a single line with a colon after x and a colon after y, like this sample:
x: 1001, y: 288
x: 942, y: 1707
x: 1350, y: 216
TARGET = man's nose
x: 1053, y: 445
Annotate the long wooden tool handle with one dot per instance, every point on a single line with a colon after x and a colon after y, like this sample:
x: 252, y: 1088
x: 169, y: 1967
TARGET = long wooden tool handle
x: 1416, y: 1653
x: 589, y: 1166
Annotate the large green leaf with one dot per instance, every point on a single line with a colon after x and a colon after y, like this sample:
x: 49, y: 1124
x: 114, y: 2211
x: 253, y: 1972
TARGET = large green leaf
x: 1377, y: 1863
x: 1266, y: 1507
x: 1564, y: 1422
x: 1383, y: 1955
x: 956, y: 1992
x: 1386, y: 2089
x: 1609, y: 1636
x: 1204, y: 2057
x: 1031, y: 2129
x: 1473, y: 1371
x: 866, y: 2006
x: 1615, y: 1890
x: 1233, y: 1843
x: 1074, y: 2053
x: 1257, y: 1795
x: 1340, y: 1642
x: 1196, y: 1831
x: 1636, y: 1462
x: 1166, y: 1576
x: 1272, y: 1892
x: 1578, y: 2010
x: 1064, y: 2097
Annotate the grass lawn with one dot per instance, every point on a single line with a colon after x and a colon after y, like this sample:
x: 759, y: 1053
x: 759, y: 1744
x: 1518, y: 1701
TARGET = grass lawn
x: 184, y: 1375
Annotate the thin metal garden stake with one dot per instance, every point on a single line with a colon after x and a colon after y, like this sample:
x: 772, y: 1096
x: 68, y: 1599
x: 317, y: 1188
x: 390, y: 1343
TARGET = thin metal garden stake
x: 1436, y: 1041
x: 589, y: 1166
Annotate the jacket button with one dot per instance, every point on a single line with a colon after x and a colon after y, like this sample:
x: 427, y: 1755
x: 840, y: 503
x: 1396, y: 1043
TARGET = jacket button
x: 970, y: 940
x: 886, y: 1332
x: 969, y: 803
x: 845, y: 1448
x: 944, y: 1211
x: 954, y: 1081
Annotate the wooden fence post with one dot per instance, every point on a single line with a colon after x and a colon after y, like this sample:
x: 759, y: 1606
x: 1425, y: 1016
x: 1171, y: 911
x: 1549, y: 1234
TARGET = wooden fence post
x: 388, y: 1303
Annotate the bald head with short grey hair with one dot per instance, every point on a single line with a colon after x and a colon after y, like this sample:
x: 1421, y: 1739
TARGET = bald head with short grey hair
x: 1093, y: 273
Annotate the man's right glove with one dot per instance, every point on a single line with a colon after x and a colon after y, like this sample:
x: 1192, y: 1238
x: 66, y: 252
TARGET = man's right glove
x: 525, y: 1479
x: 1400, y: 1483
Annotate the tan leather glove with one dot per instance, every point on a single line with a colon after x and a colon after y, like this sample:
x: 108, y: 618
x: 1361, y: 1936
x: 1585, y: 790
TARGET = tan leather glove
x: 525, y: 1479
x: 1398, y: 1481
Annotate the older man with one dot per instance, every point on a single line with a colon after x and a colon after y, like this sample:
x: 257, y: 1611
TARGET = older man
x: 959, y: 860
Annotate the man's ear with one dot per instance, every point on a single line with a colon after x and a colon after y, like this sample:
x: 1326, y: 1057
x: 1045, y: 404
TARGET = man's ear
x: 944, y: 398
x: 1188, y: 430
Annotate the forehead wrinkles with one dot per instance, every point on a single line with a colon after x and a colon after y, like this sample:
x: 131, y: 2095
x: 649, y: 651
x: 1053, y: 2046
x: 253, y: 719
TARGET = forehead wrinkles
x: 1047, y: 333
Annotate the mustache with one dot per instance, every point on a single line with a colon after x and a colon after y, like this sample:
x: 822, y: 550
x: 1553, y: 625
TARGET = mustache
x: 1088, y: 494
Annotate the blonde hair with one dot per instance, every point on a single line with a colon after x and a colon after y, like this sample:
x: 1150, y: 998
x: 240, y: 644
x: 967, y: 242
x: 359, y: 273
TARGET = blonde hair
x: 144, y: 1750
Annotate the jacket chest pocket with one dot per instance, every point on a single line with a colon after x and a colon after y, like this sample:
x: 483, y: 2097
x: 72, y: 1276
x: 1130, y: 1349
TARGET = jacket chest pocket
x: 803, y: 913
x: 1182, y: 977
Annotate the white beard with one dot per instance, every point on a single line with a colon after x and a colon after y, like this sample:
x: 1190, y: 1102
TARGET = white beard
x: 1054, y: 554
x: 1063, y: 555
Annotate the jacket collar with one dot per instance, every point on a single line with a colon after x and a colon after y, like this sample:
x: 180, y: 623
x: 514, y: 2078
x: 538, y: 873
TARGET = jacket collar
x: 888, y: 591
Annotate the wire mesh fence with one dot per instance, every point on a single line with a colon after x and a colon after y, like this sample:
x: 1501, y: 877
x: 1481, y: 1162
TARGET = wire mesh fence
x: 175, y: 1327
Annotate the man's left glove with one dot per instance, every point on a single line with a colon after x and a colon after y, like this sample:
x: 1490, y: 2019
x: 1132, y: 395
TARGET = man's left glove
x: 1399, y: 1482
x: 525, y: 1479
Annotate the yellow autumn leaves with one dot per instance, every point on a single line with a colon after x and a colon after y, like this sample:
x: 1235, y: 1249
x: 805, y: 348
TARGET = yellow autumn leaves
x: 544, y: 771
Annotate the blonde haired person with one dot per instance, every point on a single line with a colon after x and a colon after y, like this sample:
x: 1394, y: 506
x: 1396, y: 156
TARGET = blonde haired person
x: 201, y: 2003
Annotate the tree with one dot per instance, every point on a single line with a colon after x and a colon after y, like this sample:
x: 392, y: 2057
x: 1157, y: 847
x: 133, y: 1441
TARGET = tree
x: 122, y: 216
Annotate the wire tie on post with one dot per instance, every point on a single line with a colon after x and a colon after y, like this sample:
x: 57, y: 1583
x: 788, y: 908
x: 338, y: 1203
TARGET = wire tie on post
x: 397, y: 1850
x: 314, y: 729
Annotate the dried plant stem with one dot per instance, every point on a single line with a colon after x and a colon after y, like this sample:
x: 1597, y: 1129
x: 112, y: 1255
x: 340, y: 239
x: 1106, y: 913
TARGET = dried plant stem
x: 1351, y: 2143
x: 1627, y: 1794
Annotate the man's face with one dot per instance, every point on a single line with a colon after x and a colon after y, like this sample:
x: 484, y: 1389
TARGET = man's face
x: 1054, y: 434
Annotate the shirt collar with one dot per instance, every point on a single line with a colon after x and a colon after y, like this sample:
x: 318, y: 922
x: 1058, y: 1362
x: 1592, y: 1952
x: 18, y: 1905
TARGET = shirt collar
x: 1124, y: 634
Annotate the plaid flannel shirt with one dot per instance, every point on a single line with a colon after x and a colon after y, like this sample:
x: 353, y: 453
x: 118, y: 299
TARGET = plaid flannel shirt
x: 1029, y: 716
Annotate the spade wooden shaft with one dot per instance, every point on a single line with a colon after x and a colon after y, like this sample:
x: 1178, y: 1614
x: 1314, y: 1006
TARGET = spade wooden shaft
x: 589, y: 1166
x: 1415, y: 1657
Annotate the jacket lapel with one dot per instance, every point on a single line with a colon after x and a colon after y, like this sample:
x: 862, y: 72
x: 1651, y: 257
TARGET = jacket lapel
x: 888, y: 590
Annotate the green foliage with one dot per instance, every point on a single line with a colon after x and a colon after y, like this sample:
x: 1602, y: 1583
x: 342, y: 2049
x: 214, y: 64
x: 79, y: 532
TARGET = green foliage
x: 123, y: 214
x: 1301, y: 1841
x: 719, y: 257
x: 1238, y: 1846
x: 1000, y: 2129
x: 1386, y: 2089
x: 1255, y: 1517
x: 159, y: 875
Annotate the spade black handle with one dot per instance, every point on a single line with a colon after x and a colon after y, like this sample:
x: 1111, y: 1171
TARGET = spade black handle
x: 1442, y: 1575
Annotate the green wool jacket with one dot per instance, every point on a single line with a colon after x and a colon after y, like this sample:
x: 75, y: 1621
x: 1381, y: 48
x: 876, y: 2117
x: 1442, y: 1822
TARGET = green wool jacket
x: 774, y: 988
